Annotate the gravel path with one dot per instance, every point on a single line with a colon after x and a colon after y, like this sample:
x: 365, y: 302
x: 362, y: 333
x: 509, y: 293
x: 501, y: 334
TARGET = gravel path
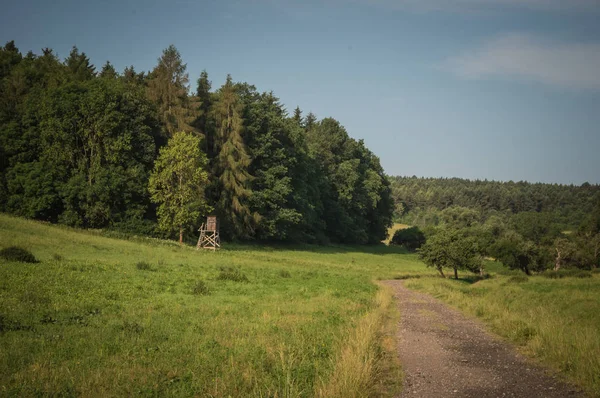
x: 445, y: 354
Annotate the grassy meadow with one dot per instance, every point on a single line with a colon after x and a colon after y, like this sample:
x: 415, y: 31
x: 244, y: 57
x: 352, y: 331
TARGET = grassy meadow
x: 107, y: 317
x: 555, y: 321
x: 99, y: 316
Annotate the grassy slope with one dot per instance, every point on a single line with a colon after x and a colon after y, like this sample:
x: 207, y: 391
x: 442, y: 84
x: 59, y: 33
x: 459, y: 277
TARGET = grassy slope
x: 87, y: 321
x: 556, y: 321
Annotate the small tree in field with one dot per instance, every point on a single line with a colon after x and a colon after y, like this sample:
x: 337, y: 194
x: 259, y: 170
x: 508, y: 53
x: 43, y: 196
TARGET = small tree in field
x: 177, y: 183
x: 453, y: 249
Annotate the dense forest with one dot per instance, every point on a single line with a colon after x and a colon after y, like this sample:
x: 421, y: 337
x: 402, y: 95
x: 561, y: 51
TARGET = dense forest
x: 529, y: 227
x: 147, y: 153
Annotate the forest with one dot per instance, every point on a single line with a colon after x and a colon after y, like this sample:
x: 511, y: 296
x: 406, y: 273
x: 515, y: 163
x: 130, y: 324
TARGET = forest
x: 145, y: 153
x: 149, y: 154
x: 528, y: 227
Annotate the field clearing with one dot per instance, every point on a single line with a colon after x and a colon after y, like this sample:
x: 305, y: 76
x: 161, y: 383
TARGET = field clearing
x: 88, y: 320
x: 392, y: 230
x: 555, y: 321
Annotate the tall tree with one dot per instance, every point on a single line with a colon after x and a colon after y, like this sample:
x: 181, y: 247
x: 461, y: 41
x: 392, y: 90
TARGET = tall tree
x: 203, y: 121
x: 80, y: 66
x: 231, y: 165
x: 108, y: 71
x: 178, y: 182
x: 168, y: 89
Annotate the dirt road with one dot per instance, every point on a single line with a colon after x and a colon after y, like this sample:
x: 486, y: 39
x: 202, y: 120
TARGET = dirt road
x: 445, y: 354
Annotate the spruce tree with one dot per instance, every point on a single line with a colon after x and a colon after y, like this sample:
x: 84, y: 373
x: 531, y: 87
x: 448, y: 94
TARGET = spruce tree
x: 168, y: 89
x: 79, y: 65
x: 231, y: 165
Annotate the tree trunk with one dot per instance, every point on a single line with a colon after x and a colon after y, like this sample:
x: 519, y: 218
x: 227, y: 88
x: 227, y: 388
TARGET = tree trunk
x: 180, y: 235
x: 558, y: 260
x: 456, y: 273
x: 441, y: 272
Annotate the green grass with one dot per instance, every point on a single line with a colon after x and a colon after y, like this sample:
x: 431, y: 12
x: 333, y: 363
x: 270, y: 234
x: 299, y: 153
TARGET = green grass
x: 556, y: 321
x: 107, y: 317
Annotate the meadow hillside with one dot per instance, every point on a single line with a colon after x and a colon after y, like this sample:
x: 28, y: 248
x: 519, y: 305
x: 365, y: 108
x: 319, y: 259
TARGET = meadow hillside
x: 102, y: 316
x: 99, y: 316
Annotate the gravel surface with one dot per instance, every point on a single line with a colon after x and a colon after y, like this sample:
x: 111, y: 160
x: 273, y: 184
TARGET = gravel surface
x: 445, y: 354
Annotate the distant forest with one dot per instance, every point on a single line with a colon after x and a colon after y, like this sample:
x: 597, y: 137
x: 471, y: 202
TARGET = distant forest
x: 421, y: 201
x: 96, y: 149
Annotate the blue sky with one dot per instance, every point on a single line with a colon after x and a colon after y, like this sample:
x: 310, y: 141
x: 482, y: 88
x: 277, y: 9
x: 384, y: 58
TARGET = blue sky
x: 496, y: 89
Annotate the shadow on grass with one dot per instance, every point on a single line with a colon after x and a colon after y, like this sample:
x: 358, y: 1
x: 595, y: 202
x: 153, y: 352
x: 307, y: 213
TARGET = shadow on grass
x: 378, y: 249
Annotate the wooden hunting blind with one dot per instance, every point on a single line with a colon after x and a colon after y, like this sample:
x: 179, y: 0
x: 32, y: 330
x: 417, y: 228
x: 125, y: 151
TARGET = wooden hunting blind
x: 209, y: 234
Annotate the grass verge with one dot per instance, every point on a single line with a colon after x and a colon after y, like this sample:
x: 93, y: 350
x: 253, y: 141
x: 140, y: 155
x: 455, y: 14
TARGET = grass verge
x: 367, y: 364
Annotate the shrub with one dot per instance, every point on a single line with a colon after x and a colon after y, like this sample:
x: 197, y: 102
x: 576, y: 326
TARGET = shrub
x: 232, y: 274
x: 518, y: 279
x: 144, y: 266
x: 15, y: 253
x: 411, y: 238
x: 284, y: 273
x: 200, y: 289
x: 583, y: 274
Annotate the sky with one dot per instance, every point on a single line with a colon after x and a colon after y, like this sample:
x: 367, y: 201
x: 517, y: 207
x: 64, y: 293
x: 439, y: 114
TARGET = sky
x: 479, y: 89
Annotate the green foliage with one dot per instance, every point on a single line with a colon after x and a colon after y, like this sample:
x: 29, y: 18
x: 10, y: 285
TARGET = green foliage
x: 78, y: 147
x: 168, y: 89
x: 200, y: 288
x: 453, y: 249
x: 285, y: 273
x: 567, y: 273
x: 232, y: 274
x: 517, y: 253
x: 231, y: 166
x: 143, y: 266
x: 412, y: 238
x: 518, y: 279
x: 15, y: 253
x: 177, y: 183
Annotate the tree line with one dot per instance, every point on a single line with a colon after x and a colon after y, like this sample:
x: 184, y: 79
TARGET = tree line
x: 529, y: 227
x: 144, y: 153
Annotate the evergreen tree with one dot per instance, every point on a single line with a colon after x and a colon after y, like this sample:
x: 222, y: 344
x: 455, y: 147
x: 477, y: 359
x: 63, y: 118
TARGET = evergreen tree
x: 231, y: 165
x: 79, y: 65
x: 204, y: 122
x: 108, y: 71
x: 168, y: 89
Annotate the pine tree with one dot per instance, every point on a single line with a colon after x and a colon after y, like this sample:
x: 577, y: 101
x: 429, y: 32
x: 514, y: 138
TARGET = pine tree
x: 297, y: 115
x: 79, y: 65
x: 108, y: 71
x: 231, y: 165
x: 203, y: 121
x: 168, y: 89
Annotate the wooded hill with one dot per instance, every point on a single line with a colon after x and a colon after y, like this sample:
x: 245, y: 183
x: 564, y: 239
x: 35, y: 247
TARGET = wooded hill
x: 79, y: 147
x: 420, y: 200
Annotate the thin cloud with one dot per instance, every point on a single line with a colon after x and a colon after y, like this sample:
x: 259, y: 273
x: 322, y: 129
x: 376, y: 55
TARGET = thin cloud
x: 524, y: 57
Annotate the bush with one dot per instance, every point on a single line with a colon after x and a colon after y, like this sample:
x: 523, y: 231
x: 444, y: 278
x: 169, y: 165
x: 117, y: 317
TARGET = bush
x: 232, y: 274
x: 567, y: 273
x: 285, y: 273
x: 411, y: 238
x: 200, y: 289
x: 583, y: 274
x: 518, y: 279
x: 15, y: 253
x: 144, y: 266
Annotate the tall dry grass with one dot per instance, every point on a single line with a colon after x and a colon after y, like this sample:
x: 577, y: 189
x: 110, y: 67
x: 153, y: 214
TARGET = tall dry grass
x: 367, y: 363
